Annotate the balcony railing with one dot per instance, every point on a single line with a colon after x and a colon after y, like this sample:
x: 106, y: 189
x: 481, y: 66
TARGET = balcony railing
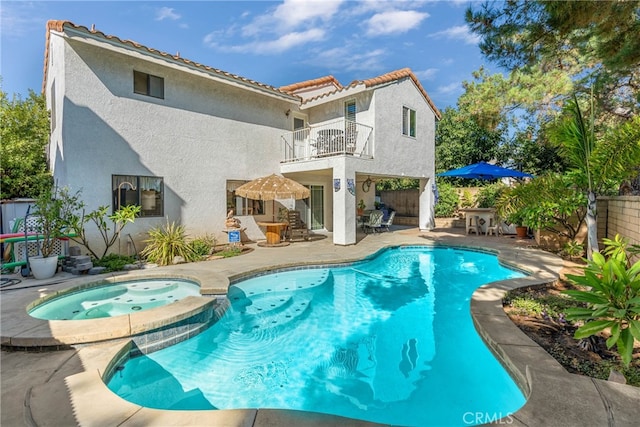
x: 341, y: 137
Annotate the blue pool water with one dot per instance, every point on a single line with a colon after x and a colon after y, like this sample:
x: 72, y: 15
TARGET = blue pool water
x: 115, y: 299
x: 388, y: 340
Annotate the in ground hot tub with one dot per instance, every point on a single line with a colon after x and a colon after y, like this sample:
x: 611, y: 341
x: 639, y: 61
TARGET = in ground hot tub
x: 114, y: 299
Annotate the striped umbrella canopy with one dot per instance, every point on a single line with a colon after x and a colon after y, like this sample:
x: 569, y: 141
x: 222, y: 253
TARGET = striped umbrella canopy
x: 273, y: 187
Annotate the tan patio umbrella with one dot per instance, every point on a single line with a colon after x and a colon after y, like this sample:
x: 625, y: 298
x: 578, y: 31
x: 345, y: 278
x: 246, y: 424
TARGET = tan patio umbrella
x: 273, y: 187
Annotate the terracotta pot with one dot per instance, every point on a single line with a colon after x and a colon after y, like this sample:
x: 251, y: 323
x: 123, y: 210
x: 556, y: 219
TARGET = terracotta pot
x: 521, y: 232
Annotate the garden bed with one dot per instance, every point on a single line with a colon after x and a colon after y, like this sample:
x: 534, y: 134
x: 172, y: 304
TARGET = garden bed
x: 538, y: 312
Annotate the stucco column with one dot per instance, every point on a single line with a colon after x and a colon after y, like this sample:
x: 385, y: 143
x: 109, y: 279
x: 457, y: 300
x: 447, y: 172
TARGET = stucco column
x: 427, y: 215
x: 344, y: 206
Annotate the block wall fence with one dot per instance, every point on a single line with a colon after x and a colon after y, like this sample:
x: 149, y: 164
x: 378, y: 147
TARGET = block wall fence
x: 619, y: 215
x: 616, y: 214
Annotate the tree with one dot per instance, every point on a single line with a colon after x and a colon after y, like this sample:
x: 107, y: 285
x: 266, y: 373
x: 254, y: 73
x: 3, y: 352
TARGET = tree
x: 461, y: 140
x: 597, y: 162
x: 595, y: 43
x: 524, y: 95
x: 24, y: 134
x: 551, y: 203
x: 530, y: 150
x: 76, y: 219
x: 397, y: 184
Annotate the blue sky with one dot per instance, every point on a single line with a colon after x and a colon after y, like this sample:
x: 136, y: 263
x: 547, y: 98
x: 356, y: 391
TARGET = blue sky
x: 273, y: 42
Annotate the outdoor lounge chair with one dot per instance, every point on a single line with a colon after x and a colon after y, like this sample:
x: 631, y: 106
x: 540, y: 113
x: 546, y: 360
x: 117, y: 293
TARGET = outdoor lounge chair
x: 374, y: 223
x: 296, y: 228
x: 386, y: 224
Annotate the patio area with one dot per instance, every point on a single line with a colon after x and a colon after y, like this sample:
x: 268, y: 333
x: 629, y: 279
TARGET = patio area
x: 58, y: 388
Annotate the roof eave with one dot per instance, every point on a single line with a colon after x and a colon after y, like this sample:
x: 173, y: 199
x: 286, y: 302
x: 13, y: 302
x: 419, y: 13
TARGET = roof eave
x: 69, y: 30
x: 345, y: 92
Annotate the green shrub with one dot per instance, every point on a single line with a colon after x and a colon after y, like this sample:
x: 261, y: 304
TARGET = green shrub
x: 595, y: 369
x: 229, y: 252
x: 466, y: 201
x: 487, y: 196
x: 114, y: 262
x: 573, y: 249
x: 612, y: 296
x: 167, y: 242
x: 447, y: 201
x: 203, y: 246
x: 526, y: 306
x: 553, y: 306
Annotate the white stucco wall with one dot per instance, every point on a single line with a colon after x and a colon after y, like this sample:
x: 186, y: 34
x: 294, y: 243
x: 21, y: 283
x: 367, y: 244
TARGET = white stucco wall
x: 200, y: 135
x: 395, y: 155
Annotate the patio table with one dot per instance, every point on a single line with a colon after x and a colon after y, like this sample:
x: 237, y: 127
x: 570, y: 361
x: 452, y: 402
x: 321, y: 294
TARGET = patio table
x: 486, y: 217
x: 273, y: 233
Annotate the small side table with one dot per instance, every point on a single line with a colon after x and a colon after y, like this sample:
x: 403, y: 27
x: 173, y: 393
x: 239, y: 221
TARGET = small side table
x: 273, y: 233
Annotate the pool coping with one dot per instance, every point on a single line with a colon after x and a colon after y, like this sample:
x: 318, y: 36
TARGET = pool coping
x: 554, y: 396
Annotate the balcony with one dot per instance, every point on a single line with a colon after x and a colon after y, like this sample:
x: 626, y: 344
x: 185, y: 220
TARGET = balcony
x: 341, y: 137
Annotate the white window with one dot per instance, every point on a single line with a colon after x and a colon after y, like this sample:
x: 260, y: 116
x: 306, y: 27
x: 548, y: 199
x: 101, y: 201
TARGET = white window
x: 408, y: 122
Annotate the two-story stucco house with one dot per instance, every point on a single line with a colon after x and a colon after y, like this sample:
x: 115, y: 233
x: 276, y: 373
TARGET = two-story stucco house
x: 131, y: 124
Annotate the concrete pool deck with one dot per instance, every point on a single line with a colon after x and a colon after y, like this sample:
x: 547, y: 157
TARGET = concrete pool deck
x: 61, y: 388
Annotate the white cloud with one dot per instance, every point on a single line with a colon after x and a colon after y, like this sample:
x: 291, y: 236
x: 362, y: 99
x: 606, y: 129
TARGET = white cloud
x: 348, y: 58
x: 368, y: 61
x: 279, y: 45
x: 292, y: 14
x: 291, y: 24
x: 395, y: 21
x: 450, y: 88
x: 460, y: 32
x: 166, y: 13
x: 18, y: 19
x: 427, y: 74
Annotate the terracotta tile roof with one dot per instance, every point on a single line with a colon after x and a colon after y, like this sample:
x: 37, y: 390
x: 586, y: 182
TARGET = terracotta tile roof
x: 311, y: 83
x: 399, y: 75
x: 60, y: 26
x: 382, y: 79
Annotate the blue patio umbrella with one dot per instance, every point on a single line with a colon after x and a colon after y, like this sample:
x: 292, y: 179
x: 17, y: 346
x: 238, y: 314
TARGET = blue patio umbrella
x: 482, y: 170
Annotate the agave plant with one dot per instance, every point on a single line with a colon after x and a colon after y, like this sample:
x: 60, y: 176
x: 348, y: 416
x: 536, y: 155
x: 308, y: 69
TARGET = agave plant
x: 167, y: 242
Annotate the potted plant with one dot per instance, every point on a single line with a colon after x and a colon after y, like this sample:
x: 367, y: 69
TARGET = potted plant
x: 361, y: 207
x: 517, y: 218
x: 50, y: 225
x: 510, y: 206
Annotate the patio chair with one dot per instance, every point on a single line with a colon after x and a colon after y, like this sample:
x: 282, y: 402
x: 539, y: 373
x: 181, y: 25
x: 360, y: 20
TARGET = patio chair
x: 296, y: 228
x: 495, y: 227
x: 474, y: 225
x: 374, y: 223
x: 386, y: 224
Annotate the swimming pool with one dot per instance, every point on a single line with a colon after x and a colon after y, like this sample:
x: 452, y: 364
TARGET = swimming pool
x: 114, y: 299
x: 387, y: 340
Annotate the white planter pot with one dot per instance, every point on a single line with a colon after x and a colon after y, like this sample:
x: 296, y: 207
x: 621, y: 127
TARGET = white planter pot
x: 43, y: 268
